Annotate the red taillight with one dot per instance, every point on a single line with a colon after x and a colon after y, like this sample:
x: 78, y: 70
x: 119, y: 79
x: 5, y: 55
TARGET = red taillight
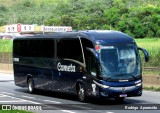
x: 98, y: 47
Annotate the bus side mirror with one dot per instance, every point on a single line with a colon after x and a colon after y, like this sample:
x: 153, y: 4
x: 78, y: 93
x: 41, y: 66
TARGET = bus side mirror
x: 146, y: 54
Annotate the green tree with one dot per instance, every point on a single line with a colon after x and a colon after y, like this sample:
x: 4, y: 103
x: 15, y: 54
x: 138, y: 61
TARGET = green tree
x: 112, y: 16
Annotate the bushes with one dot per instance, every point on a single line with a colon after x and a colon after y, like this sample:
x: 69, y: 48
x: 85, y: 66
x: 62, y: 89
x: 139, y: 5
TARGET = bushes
x: 140, y: 22
x: 6, y: 45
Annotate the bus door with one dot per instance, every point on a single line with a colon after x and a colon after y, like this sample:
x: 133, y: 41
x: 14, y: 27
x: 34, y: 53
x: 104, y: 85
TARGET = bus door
x: 91, y: 65
x: 91, y: 72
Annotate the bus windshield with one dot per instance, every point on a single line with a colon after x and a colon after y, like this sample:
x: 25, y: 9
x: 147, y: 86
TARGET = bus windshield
x: 119, y: 62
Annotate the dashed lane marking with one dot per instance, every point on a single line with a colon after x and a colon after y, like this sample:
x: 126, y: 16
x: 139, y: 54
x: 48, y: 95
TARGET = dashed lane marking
x: 52, y: 101
x: 12, y: 101
x: 67, y: 111
x: 19, y: 99
x: 8, y: 93
x: 2, y: 95
x: 28, y: 97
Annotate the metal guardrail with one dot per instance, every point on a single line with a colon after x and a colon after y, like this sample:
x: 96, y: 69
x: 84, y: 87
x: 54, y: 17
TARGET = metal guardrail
x: 151, y: 68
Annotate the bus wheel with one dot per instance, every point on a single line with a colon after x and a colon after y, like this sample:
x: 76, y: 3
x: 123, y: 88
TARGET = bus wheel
x: 81, y: 93
x: 31, y: 85
x: 119, y: 99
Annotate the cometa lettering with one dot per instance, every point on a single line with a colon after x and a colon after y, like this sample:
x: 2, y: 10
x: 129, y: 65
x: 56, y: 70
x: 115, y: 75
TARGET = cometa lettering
x: 69, y: 68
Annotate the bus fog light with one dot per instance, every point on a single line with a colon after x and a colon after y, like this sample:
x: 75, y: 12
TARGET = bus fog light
x: 139, y: 93
x: 104, y: 94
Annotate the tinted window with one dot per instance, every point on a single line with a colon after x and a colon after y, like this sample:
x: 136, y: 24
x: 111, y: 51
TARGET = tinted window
x: 34, y: 48
x: 70, y: 49
x: 86, y: 43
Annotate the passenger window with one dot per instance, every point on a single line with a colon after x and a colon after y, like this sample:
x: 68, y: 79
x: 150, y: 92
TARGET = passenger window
x: 70, y: 49
x: 34, y: 48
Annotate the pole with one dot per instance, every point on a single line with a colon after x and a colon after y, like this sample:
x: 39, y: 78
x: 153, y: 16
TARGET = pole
x: 43, y: 23
x: 110, y: 27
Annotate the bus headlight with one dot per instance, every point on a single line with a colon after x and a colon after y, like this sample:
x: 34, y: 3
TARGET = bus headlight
x: 100, y: 85
x: 139, y: 84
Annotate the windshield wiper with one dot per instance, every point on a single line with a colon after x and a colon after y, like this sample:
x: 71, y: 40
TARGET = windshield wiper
x: 134, y: 76
x: 128, y: 75
x: 106, y: 78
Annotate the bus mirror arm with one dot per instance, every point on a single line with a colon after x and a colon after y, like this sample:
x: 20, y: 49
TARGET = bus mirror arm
x: 146, y: 54
x: 95, y: 54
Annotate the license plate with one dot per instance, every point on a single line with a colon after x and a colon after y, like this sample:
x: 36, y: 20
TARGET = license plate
x: 123, y: 95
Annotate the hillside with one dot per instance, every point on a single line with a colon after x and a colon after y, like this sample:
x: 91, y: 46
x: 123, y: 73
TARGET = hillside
x: 138, y: 18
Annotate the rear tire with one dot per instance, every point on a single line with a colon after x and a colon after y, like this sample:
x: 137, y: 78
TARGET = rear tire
x: 31, y: 86
x: 81, y: 92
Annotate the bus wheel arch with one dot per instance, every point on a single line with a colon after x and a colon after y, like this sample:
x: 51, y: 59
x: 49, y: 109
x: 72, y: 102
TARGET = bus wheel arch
x: 30, y: 84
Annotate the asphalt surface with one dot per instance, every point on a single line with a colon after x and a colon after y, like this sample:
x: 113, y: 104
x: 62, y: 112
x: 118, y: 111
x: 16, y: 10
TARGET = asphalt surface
x: 15, y: 97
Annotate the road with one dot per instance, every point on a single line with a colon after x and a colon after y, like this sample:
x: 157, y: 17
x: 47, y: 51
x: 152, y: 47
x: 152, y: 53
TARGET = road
x: 65, y: 103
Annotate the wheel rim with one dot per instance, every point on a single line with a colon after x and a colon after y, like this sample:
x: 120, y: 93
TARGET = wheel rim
x: 81, y: 92
x: 30, y: 86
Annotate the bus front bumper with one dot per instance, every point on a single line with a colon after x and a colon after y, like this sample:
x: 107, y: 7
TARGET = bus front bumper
x: 114, y: 92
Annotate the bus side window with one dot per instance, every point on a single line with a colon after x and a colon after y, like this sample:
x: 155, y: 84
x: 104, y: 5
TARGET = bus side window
x: 70, y: 49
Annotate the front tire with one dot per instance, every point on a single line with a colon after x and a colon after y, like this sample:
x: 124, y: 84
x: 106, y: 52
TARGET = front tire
x: 81, y: 92
x: 31, y: 86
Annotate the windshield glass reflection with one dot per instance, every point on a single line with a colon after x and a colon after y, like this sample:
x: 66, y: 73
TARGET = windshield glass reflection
x: 118, y: 61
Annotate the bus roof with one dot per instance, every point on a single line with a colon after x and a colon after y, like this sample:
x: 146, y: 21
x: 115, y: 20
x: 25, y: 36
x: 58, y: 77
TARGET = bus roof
x: 96, y: 36
x: 109, y: 36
